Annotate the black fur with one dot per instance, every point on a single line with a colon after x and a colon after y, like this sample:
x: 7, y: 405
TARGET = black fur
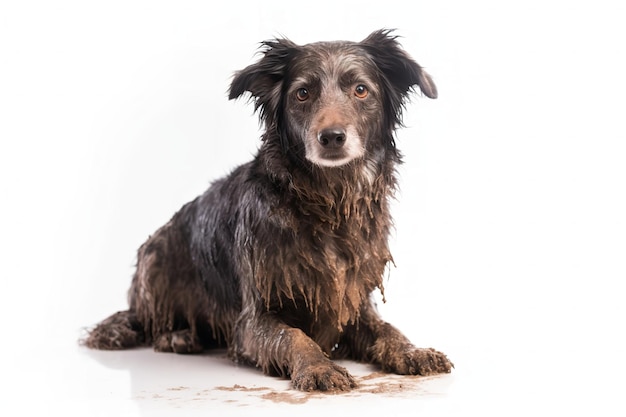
x: 277, y: 260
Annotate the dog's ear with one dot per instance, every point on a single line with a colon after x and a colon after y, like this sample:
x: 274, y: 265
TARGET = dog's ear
x: 264, y: 79
x: 402, y: 72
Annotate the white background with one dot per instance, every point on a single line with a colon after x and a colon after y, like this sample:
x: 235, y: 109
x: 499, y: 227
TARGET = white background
x: 510, y: 237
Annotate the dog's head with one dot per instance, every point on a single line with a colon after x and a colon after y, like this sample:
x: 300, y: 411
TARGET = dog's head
x: 332, y: 103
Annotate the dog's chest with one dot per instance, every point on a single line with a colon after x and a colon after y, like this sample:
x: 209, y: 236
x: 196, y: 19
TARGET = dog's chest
x: 322, y: 273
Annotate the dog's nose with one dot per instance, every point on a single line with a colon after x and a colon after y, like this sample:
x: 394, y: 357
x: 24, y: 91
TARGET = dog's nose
x: 332, y: 137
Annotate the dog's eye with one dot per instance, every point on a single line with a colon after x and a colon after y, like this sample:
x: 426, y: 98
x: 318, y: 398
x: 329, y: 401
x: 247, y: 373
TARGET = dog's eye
x: 302, y: 94
x: 361, y: 91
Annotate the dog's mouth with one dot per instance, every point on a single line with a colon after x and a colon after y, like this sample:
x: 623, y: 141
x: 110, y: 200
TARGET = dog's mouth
x: 333, y: 158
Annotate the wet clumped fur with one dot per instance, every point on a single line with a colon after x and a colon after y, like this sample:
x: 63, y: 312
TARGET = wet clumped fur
x: 278, y: 260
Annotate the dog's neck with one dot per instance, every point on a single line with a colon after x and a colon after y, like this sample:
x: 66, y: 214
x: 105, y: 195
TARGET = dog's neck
x: 333, y: 194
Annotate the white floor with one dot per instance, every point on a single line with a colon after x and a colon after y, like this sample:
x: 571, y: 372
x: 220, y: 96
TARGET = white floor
x: 67, y: 380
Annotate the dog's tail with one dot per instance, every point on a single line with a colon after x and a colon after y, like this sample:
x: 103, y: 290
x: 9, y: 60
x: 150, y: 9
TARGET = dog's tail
x: 122, y: 330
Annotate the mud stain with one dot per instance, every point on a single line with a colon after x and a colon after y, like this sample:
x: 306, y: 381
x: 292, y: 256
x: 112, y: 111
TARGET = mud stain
x: 372, y: 384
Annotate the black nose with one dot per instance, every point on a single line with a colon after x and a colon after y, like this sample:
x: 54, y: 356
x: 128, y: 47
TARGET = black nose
x: 332, y: 137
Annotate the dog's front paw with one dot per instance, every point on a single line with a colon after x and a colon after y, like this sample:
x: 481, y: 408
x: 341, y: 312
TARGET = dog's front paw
x: 323, y: 377
x: 419, y: 362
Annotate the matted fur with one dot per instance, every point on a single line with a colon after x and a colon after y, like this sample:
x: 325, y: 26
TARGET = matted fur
x: 277, y: 261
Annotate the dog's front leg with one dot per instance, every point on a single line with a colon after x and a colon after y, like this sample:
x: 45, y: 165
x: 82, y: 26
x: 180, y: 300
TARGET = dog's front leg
x: 269, y: 343
x: 395, y: 353
x: 377, y: 341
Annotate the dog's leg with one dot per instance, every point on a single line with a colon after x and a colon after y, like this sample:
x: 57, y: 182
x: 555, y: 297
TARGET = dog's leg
x: 395, y: 353
x: 167, y: 293
x: 277, y: 348
x: 181, y: 341
x: 374, y: 340
x: 122, y: 330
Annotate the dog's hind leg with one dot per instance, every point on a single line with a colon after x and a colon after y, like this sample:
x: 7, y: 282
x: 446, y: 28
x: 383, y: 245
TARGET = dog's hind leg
x: 122, y: 330
x: 181, y: 341
x: 168, y: 294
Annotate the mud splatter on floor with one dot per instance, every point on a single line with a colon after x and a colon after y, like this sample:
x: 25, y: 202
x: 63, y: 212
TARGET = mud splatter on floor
x: 177, y: 388
x: 375, y: 383
x: 238, y: 387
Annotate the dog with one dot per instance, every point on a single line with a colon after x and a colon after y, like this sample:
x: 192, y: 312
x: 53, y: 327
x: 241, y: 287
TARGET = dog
x: 278, y: 260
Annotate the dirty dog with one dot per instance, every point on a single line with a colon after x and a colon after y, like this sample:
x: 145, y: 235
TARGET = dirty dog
x: 277, y: 261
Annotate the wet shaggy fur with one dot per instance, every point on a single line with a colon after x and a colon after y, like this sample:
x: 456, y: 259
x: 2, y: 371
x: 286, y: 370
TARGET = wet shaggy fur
x: 277, y: 261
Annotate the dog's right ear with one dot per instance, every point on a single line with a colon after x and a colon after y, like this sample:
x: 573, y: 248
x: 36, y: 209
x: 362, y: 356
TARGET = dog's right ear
x: 264, y: 79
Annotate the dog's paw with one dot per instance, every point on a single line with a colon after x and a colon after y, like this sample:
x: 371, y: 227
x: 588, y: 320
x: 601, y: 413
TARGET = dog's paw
x: 419, y: 362
x: 181, y: 341
x: 323, y: 377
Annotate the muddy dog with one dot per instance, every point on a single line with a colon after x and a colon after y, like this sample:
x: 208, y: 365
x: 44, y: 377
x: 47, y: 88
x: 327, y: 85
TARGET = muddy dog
x: 277, y: 261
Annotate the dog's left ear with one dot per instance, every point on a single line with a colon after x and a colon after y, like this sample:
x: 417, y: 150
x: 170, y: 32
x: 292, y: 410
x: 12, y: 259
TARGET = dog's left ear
x: 399, y: 69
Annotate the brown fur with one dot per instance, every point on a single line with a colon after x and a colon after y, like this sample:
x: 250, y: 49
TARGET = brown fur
x: 277, y: 261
